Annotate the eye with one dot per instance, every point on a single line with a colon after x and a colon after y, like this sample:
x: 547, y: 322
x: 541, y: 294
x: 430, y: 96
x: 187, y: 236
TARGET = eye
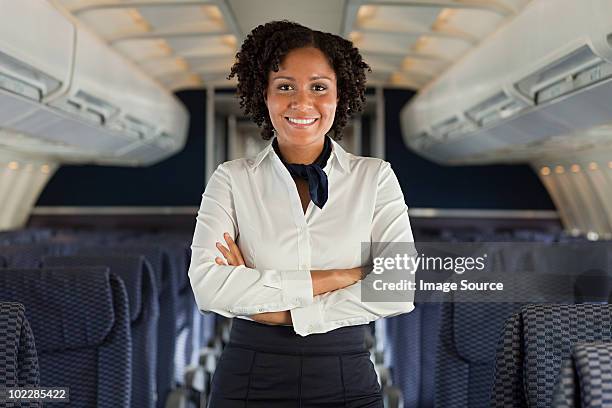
x: 319, y: 87
x: 284, y: 87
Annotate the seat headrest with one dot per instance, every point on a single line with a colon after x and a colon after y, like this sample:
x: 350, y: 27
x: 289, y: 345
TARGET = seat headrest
x: 129, y: 268
x: 157, y: 258
x: 477, y: 326
x: 68, y: 308
x: 28, y: 255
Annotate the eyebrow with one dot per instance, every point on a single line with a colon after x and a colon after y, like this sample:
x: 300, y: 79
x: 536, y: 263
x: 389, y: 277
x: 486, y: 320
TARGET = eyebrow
x: 313, y: 78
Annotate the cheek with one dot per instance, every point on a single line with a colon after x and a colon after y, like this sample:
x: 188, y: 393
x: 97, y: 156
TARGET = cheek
x: 329, y: 107
x: 274, y: 108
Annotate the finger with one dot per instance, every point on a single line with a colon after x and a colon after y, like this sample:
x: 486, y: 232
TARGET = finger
x: 231, y: 259
x: 220, y: 261
x: 234, y: 249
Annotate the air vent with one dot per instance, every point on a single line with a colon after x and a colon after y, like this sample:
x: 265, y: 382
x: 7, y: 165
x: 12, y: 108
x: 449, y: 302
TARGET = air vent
x: 166, y: 141
x: 19, y: 78
x: 422, y: 141
x: 452, y: 127
x: 564, y: 76
x: 498, y: 107
x: 143, y: 129
x: 74, y: 108
x: 95, y: 106
x: 87, y: 107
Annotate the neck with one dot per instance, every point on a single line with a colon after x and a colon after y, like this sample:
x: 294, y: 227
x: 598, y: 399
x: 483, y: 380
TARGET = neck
x: 301, y: 154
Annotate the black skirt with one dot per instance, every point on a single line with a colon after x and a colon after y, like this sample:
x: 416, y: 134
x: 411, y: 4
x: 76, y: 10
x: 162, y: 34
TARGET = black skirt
x: 271, y: 366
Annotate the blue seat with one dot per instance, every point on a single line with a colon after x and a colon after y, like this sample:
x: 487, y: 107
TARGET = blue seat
x: 167, y: 293
x: 535, y: 342
x: 80, y: 319
x: 18, y: 360
x: 469, y: 332
x: 139, y: 280
x: 584, y: 377
x: 29, y: 255
x: 179, y: 257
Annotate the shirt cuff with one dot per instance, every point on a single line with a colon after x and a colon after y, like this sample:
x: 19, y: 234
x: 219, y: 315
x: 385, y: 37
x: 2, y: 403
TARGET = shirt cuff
x: 309, y: 319
x: 297, y: 287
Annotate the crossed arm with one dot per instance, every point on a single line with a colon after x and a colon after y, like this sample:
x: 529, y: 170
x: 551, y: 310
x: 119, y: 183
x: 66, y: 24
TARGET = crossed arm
x: 322, y: 280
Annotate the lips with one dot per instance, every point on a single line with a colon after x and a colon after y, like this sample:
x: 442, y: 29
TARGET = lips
x: 301, y: 122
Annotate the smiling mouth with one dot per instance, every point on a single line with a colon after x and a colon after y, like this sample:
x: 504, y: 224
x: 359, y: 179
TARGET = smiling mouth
x: 301, y: 122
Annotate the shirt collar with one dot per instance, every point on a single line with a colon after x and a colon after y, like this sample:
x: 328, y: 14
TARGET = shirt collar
x: 340, y: 155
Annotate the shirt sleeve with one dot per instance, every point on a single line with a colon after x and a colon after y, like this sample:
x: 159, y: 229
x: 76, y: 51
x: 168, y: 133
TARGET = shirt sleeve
x: 236, y: 290
x: 344, y: 307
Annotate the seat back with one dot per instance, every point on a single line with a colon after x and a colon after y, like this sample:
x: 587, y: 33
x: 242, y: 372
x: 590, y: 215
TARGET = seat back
x: 18, y: 360
x: 80, y: 319
x: 535, y: 341
x: 28, y: 255
x: 139, y: 281
x: 584, y: 380
x: 469, y: 335
x: 167, y: 295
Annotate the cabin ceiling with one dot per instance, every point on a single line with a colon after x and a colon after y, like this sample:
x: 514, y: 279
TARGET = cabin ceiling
x: 192, y: 43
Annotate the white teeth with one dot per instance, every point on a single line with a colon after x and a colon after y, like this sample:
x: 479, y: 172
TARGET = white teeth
x: 301, y: 121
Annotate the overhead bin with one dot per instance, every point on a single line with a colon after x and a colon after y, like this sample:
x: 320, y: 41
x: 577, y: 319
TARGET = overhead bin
x: 547, y: 73
x: 64, y: 88
x: 29, y: 67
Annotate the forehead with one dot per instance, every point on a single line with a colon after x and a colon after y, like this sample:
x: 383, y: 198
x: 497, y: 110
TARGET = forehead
x: 308, y: 61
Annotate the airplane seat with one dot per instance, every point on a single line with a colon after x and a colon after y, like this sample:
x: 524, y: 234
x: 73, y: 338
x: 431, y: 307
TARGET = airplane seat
x: 29, y: 255
x: 19, y: 362
x: 77, y: 335
x: 412, y: 346
x: 167, y: 293
x: 3, y: 262
x: 184, y: 348
x: 469, y: 334
x: 413, y: 339
x: 593, y: 286
x: 178, y: 257
x: 535, y: 342
x: 584, y: 377
x: 139, y: 281
x: 25, y: 236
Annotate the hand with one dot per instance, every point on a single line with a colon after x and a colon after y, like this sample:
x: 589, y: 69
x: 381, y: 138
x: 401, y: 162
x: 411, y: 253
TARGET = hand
x: 232, y: 253
x: 233, y: 256
x: 324, y: 281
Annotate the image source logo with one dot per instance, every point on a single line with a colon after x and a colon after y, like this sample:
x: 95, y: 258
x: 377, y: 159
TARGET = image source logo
x: 485, y: 272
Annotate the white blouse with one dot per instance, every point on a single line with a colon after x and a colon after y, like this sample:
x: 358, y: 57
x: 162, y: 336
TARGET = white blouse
x: 257, y: 202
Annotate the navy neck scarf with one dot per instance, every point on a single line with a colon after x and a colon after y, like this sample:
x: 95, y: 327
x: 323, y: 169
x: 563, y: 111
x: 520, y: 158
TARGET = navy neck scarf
x: 313, y: 173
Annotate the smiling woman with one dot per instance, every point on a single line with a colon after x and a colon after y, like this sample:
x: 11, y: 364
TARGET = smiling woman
x: 291, y: 267
x: 302, y: 106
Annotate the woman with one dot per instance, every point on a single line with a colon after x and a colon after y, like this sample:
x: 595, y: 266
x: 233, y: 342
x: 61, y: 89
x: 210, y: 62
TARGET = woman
x: 299, y: 213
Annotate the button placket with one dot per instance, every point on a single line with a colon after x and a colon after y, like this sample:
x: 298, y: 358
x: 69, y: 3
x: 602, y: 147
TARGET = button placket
x: 303, y: 248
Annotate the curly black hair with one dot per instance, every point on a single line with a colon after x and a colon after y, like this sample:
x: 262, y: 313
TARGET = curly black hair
x: 264, y: 49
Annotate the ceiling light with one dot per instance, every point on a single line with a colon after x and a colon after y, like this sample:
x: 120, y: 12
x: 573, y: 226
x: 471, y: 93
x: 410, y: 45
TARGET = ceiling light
x: 213, y: 12
x: 13, y: 165
x: 366, y: 12
x: 545, y: 171
x: 593, y: 166
x: 559, y: 170
x: 139, y: 20
x: 575, y: 168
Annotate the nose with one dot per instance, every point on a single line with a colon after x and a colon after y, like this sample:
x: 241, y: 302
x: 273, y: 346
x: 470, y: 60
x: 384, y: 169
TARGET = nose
x: 301, y: 100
